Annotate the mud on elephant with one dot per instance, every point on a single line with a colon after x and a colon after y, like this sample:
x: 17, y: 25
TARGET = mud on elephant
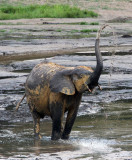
x: 52, y: 89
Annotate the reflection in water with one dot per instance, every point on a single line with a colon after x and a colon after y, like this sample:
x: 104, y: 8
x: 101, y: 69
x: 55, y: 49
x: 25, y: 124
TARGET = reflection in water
x: 102, y: 129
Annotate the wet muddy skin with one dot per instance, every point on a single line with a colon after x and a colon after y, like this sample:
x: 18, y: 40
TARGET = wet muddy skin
x: 102, y: 130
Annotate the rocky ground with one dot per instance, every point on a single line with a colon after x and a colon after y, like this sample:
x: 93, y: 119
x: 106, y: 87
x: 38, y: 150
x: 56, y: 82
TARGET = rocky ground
x: 37, y: 38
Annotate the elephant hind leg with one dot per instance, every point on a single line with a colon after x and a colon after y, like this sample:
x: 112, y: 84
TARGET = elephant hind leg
x: 36, y: 121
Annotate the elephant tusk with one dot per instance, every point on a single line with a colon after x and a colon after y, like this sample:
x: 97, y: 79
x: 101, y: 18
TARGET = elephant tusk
x: 88, y: 89
x: 99, y: 87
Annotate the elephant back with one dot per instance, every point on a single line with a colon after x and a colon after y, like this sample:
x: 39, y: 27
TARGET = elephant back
x: 41, y: 74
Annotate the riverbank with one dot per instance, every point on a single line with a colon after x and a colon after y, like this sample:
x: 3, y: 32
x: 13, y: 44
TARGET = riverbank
x: 41, y: 38
x: 44, y: 37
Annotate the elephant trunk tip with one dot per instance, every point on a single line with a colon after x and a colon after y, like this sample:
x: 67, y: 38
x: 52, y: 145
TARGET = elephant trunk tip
x: 99, y: 31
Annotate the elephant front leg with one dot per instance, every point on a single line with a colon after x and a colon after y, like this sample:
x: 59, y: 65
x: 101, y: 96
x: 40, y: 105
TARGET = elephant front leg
x: 69, y: 122
x: 56, y: 115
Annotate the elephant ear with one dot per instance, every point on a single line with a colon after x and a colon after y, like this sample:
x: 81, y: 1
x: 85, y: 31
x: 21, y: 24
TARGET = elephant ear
x: 62, y: 83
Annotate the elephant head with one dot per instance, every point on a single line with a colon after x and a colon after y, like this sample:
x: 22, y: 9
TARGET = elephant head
x: 81, y: 78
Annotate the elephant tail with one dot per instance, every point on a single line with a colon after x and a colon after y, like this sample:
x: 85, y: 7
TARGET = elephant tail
x: 18, y: 104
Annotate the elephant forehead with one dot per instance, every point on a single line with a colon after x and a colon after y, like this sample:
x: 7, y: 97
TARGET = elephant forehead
x: 85, y: 68
x: 83, y: 79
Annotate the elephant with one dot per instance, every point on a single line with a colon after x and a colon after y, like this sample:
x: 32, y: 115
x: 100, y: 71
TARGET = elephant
x: 52, y: 89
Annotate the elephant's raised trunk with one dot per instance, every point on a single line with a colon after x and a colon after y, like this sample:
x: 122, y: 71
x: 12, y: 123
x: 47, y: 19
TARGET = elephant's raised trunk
x: 99, y: 67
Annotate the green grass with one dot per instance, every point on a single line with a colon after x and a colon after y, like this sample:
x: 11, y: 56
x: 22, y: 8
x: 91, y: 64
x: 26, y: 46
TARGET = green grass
x: 94, y: 23
x: 43, y: 11
x: 74, y: 31
x: 2, y: 30
x: 84, y: 31
x: 83, y: 23
x: 88, y: 30
x: 2, y: 23
x: 58, y: 30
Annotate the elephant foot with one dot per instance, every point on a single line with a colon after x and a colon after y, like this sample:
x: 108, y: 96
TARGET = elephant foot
x: 56, y: 136
x: 65, y: 137
x: 37, y: 136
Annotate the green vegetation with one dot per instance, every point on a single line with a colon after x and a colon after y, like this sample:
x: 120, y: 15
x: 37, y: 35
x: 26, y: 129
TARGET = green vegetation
x: 2, y: 23
x: 9, y: 23
x: 83, y: 23
x: 41, y: 11
x: 94, y: 23
x: 2, y: 30
x: 58, y: 30
x: 74, y: 31
x: 88, y: 30
x: 84, y: 30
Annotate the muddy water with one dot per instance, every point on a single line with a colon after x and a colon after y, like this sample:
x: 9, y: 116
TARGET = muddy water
x: 103, y: 128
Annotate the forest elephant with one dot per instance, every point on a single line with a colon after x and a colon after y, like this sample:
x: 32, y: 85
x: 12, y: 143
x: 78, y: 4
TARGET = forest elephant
x: 52, y: 89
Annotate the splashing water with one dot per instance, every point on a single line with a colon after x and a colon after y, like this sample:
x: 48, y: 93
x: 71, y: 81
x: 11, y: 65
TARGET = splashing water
x: 94, y: 145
